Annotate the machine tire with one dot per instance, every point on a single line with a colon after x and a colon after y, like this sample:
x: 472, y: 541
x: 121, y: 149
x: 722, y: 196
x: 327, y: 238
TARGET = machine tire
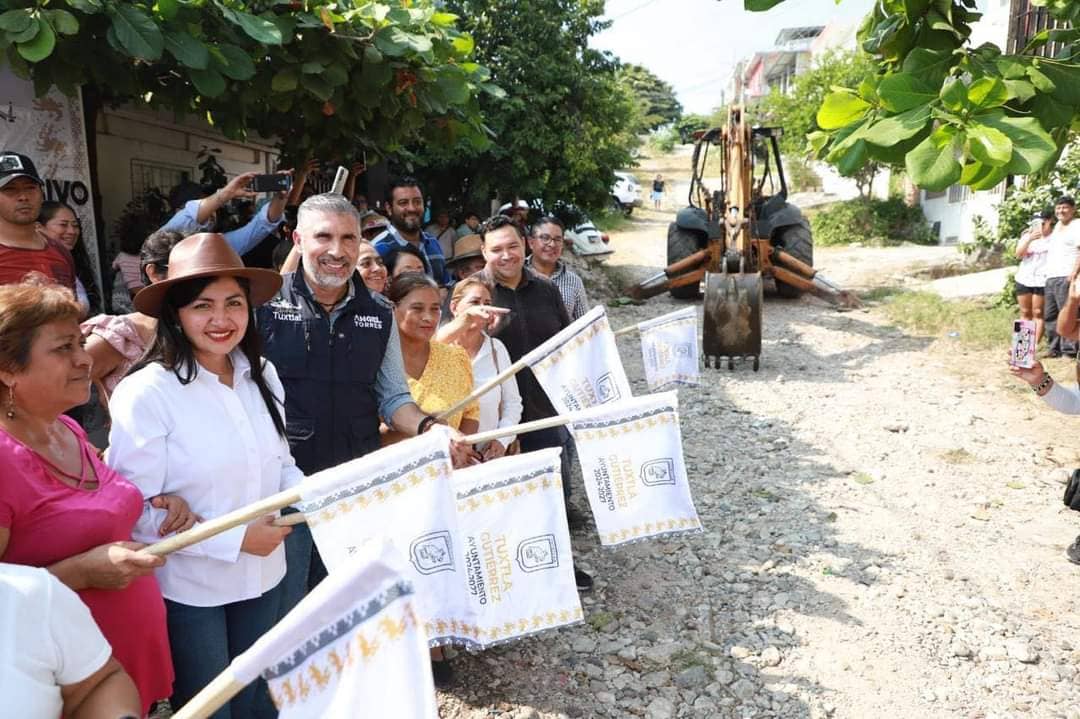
x: 681, y: 244
x: 798, y: 242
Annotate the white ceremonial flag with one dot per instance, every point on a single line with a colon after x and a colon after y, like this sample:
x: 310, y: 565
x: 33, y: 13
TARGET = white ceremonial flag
x: 402, y: 493
x: 669, y: 349
x: 352, y: 647
x: 632, y: 462
x: 516, y: 548
x: 580, y: 367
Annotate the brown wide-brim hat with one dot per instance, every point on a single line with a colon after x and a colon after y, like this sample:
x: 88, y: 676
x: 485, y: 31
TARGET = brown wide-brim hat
x: 206, y: 254
x: 465, y: 248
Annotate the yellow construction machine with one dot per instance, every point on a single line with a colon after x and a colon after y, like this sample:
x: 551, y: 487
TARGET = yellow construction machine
x: 735, y: 237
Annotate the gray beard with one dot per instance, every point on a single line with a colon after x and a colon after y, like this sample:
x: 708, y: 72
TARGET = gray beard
x: 326, y: 281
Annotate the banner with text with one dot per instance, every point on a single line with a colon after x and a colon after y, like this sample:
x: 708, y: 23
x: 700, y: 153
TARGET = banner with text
x: 669, y: 349
x: 516, y: 548
x: 51, y: 132
x: 403, y: 493
x: 353, y: 646
x: 580, y: 367
x: 632, y: 462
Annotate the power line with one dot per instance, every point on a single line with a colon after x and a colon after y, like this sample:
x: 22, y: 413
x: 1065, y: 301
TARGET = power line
x: 632, y: 10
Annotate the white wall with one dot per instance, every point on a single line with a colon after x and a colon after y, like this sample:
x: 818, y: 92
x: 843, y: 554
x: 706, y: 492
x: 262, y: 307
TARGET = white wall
x: 130, y: 139
x: 957, y: 216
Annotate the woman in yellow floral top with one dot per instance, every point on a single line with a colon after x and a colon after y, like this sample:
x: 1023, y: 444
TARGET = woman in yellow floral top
x: 439, y: 375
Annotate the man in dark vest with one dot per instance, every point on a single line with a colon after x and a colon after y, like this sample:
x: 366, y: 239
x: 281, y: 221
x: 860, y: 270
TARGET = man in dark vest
x: 337, y: 352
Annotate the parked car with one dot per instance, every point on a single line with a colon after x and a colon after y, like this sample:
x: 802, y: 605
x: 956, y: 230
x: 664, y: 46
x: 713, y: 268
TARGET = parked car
x: 582, y: 237
x: 626, y: 192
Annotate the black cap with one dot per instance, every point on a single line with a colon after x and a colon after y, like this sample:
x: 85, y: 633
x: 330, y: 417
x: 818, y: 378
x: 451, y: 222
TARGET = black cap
x: 1046, y: 213
x: 13, y: 165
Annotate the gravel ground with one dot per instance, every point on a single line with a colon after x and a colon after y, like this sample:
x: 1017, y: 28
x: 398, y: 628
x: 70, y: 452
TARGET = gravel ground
x: 884, y: 536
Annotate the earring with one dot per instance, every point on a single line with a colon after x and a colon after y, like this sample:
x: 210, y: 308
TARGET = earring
x: 11, y: 402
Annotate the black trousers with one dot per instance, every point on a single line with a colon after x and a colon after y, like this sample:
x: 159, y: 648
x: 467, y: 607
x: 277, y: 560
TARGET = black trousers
x: 553, y: 437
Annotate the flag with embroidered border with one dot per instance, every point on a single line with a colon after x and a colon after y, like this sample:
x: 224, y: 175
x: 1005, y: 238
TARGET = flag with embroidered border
x: 516, y: 548
x: 352, y: 647
x: 669, y: 349
x: 403, y: 493
x: 580, y: 366
x: 632, y: 462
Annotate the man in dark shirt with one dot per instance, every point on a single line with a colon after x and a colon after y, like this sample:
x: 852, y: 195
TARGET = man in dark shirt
x: 537, y: 313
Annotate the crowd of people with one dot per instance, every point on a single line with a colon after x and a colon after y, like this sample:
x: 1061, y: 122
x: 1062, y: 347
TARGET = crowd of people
x: 222, y: 384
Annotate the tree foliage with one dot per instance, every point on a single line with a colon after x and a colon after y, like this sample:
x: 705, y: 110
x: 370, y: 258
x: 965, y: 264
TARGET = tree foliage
x: 565, y: 124
x: 655, y: 99
x: 320, y: 76
x: 951, y: 112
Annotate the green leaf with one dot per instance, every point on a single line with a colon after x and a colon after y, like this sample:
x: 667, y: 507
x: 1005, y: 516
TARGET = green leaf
x: 15, y: 21
x: 464, y: 44
x: 237, y: 63
x: 1051, y: 113
x: 444, y: 19
x: 136, y: 32
x: 761, y: 5
x: 981, y: 177
x: 987, y: 92
x: 372, y: 55
x: 895, y: 129
x: 318, y: 87
x: 915, y: 9
x: 902, y: 91
x: 1040, y: 81
x: 257, y: 28
x: 187, y: 50
x: 90, y: 7
x: 209, y: 83
x: 989, y: 145
x: 1066, y: 79
x: 285, y: 80
x: 1021, y: 90
x: 816, y: 141
x: 29, y: 33
x: 311, y: 68
x: 63, y: 22
x: 930, y: 65
x: 841, y: 109
x: 932, y: 165
x: 954, y: 94
x: 167, y: 9
x: 868, y: 90
x: 41, y: 46
x: 1032, y: 145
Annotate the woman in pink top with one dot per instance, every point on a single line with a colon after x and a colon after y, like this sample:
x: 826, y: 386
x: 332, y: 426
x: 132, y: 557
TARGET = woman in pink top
x: 63, y: 509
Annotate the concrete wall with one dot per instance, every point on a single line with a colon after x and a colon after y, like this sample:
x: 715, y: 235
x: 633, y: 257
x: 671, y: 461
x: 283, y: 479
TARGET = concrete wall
x: 957, y: 208
x: 138, y: 148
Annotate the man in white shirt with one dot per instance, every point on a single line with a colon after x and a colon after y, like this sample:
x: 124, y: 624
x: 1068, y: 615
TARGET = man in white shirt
x: 53, y: 658
x: 1062, y: 267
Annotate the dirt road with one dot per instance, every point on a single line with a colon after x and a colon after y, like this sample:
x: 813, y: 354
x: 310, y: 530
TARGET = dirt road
x: 884, y: 538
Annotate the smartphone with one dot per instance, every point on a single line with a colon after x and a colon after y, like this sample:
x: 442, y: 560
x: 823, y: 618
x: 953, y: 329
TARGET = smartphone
x: 271, y: 183
x: 339, y: 180
x: 1023, y: 344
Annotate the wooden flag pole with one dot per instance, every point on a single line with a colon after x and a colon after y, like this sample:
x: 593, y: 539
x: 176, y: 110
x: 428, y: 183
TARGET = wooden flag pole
x: 484, y: 389
x: 290, y: 520
x: 626, y: 330
x: 212, y: 697
x: 225, y: 522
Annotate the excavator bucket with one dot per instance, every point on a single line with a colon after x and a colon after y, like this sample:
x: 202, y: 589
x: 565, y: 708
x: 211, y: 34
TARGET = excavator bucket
x: 732, y: 328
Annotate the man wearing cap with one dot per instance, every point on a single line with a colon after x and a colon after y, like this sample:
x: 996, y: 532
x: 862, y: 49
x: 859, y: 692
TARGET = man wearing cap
x: 337, y: 352
x: 1062, y: 267
x: 546, y: 242
x: 372, y: 224
x: 406, y: 205
x: 23, y: 247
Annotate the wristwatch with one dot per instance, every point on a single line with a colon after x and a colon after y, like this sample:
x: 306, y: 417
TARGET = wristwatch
x: 425, y: 424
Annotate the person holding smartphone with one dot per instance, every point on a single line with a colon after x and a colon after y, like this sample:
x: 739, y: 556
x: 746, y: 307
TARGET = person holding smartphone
x: 1031, y: 275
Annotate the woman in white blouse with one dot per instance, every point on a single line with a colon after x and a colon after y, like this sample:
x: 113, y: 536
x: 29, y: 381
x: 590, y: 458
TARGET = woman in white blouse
x: 202, y: 419
x: 501, y: 407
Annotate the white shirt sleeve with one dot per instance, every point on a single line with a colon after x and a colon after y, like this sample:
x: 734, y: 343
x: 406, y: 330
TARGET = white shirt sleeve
x: 81, y: 649
x: 291, y: 475
x: 1064, y: 399
x: 138, y: 440
x: 510, y: 406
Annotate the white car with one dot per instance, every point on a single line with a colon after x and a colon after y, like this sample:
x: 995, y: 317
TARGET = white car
x: 582, y: 237
x: 626, y: 192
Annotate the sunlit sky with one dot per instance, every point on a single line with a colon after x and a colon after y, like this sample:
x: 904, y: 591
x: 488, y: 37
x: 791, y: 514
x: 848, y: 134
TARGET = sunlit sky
x: 694, y: 44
